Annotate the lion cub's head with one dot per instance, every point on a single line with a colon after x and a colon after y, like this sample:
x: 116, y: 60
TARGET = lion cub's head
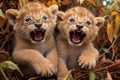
x: 33, y: 22
x: 78, y: 25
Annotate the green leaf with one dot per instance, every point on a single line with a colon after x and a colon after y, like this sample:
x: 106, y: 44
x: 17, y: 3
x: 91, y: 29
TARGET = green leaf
x: 92, y: 75
x: 106, y: 50
x: 10, y: 65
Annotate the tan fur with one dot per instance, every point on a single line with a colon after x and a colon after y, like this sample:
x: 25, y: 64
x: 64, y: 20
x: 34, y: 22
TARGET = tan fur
x: 73, y: 55
x: 41, y: 55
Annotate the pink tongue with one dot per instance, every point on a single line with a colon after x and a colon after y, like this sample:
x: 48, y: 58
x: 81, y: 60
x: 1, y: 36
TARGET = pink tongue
x: 38, y: 36
x: 76, y: 38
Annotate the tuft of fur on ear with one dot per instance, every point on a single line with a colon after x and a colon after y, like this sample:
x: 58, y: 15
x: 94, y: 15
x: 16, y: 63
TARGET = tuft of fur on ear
x: 11, y: 15
x: 60, y: 14
x: 99, y: 21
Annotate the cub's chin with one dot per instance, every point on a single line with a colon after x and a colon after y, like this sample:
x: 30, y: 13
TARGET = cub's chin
x: 76, y: 37
x: 37, y: 35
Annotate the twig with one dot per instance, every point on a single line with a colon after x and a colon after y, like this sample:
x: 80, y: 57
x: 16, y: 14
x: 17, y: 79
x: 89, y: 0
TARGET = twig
x: 108, y: 48
x: 114, y: 4
x: 105, y: 68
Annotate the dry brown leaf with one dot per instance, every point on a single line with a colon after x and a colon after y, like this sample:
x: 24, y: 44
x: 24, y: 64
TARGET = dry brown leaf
x: 92, y: 2
x: 22, y: 3
x: 110, y: 32
x: 34, y: 78
x: 3, y: 56
x: 114, y: 12
x: 51, y: 2
x: 77, y: 75
x: 117, y: 24
x: 113, y: 52
x: 65, y: 2
x: 2, y: 18
x: 1, y: 4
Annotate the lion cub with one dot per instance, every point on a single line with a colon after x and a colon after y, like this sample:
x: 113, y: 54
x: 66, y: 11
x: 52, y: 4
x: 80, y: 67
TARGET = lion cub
x: 34, y: 41
x: 78, y: 29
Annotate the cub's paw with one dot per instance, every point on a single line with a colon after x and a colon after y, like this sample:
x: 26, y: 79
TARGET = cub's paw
x: 45, y: 69
x: 87, y: 61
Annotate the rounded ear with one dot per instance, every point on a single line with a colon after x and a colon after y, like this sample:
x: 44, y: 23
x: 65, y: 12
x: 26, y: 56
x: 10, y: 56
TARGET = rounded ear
x: 11, y: 15
x: 99, y: 21
x: 61, y: 14
x: 53, y: 8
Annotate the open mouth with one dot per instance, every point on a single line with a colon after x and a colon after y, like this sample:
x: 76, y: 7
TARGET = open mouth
x: 77, y: 36
x: 37, y: 35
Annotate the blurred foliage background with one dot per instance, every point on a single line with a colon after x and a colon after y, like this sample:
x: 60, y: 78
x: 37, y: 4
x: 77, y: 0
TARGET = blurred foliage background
x: 107, y: 41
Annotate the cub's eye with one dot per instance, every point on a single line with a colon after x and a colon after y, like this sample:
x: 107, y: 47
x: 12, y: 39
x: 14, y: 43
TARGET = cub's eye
x: 72, y: 20
x: 88, y: 22
x: 28, y: 19
x: 44, y: 17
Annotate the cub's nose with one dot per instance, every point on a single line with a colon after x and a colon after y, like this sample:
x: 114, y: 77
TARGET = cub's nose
x: 38, y: 25
x: 79, y: 26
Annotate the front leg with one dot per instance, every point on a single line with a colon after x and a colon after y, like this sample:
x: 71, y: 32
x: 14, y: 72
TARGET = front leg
x: 53, y: 58
x: 88, y: 57
x: 62, y: 69
x: 29, y: 56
